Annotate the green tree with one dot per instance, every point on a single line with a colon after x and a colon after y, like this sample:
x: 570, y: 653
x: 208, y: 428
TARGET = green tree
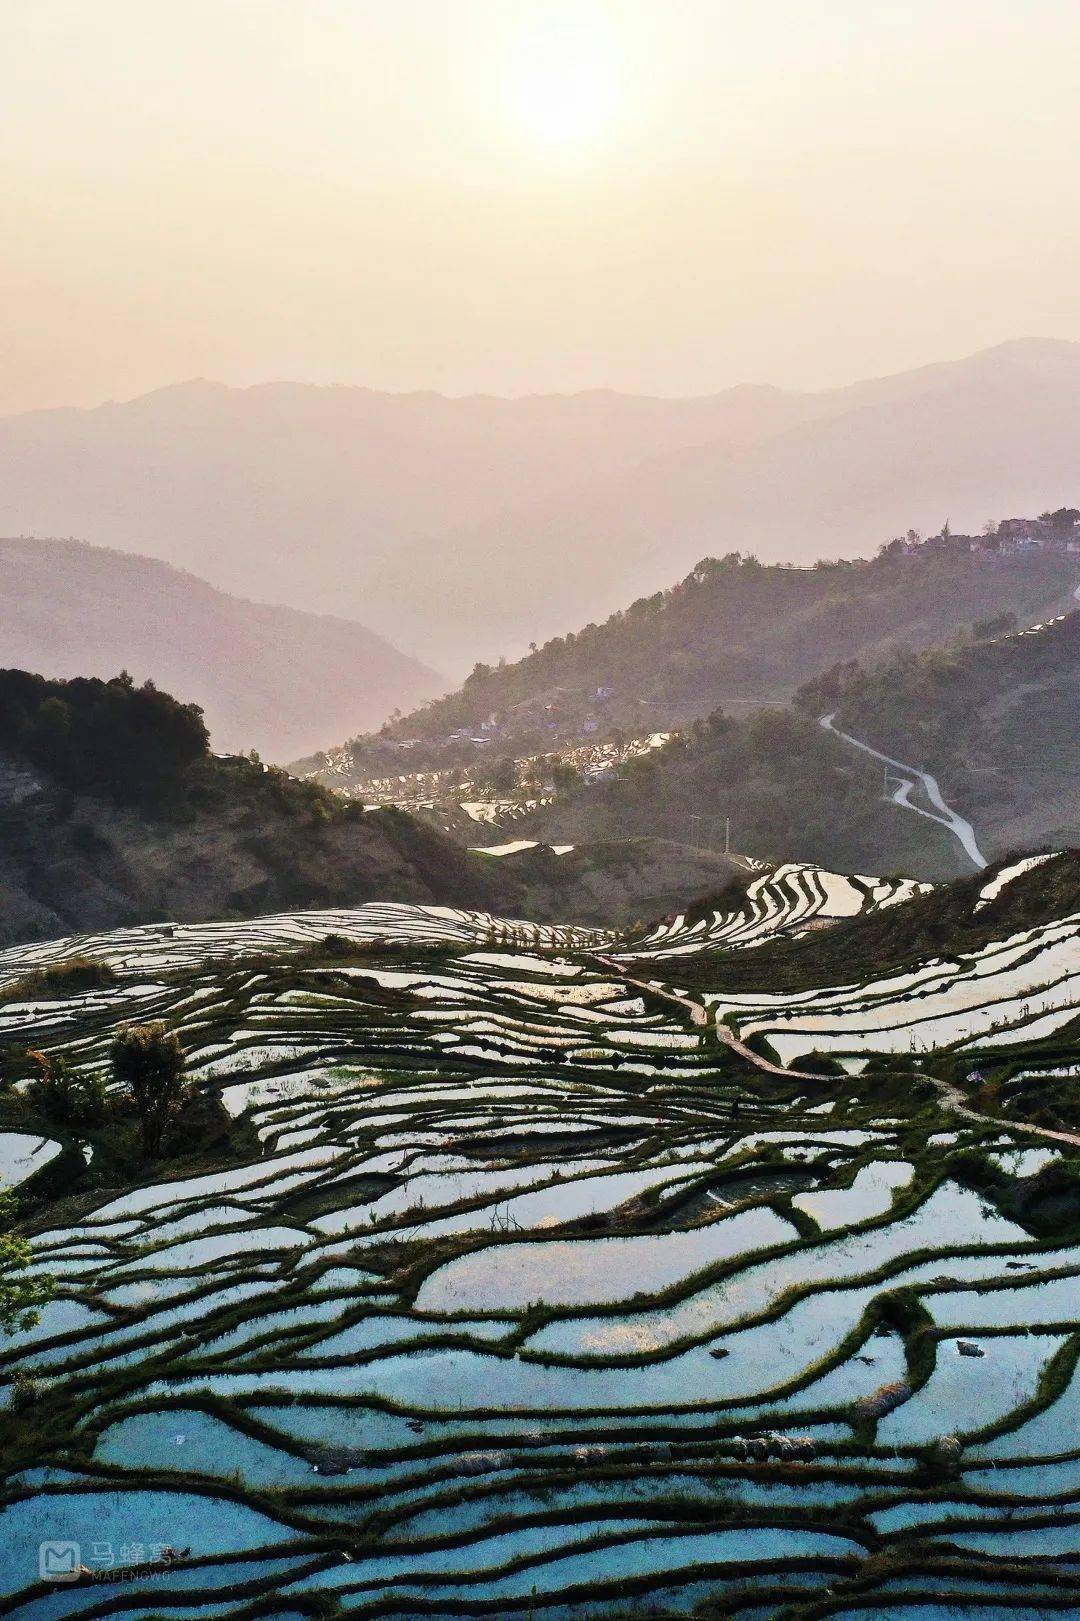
x: 53, y: 725
x: 65, y: 1095
x: 20, y: 1296
x: 148, y: 1066
x: 133, y: 743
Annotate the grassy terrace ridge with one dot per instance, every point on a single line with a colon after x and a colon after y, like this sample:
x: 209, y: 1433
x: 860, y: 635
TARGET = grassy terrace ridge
x: 494, y: 1284
x: 982, y: 944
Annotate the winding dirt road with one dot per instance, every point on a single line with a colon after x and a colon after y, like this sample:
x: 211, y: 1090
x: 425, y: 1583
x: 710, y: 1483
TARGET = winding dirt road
x: 958, y: 826
x: 952, y: 1099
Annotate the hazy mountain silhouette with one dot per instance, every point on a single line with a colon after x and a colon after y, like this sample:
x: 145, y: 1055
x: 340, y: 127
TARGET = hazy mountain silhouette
x: 468, y: 527
x: 268, y: 678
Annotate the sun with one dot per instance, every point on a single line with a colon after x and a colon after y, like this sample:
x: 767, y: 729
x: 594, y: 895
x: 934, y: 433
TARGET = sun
x: 563, y: 85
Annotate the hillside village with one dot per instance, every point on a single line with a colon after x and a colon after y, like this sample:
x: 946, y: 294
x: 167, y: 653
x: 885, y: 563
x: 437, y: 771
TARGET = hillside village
x: 1057, y: 531
x: 496, y: 792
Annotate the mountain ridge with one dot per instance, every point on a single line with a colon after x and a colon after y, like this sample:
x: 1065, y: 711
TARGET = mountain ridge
x: 520, y: 516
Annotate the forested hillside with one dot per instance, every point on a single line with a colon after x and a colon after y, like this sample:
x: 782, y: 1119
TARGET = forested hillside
x: 733, y: 634
x: 995, y: 721
x: 113, y: 811
x: 774, y: 782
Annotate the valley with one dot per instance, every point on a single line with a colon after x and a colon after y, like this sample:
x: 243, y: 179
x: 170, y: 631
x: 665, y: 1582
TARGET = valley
x: 734, y: 634
x: 904, y: 753
x: 539, y: 811
x: 593, y: 1223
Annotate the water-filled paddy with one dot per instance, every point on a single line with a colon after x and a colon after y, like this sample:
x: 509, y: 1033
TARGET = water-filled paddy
x: 706, y: 1408
x: 22, y: 1155
x: 967, y: 1393
x: 588, y: 1271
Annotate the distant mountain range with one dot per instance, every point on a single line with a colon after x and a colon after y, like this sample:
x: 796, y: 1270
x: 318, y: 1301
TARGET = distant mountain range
x: 269, y: 678
x: 465, y: 528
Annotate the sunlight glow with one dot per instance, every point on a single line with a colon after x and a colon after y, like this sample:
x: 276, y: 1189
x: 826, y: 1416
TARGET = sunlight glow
x: 564, y: 83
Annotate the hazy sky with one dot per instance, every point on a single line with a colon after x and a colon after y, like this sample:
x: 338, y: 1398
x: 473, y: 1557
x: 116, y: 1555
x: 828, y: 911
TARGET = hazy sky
x: 507, y: 195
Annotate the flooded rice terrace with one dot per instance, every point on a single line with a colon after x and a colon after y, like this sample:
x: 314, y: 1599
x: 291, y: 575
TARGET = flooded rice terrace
x: 530, y: 1298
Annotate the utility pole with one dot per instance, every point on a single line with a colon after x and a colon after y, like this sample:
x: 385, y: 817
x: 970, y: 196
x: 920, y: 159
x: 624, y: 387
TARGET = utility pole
x: 727, y: 835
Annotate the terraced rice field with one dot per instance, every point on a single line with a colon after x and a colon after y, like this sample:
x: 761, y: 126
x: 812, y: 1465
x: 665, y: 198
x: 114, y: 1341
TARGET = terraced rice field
x: 1023, y: 988
x: 786, y: 901
x: 537, y: 1300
